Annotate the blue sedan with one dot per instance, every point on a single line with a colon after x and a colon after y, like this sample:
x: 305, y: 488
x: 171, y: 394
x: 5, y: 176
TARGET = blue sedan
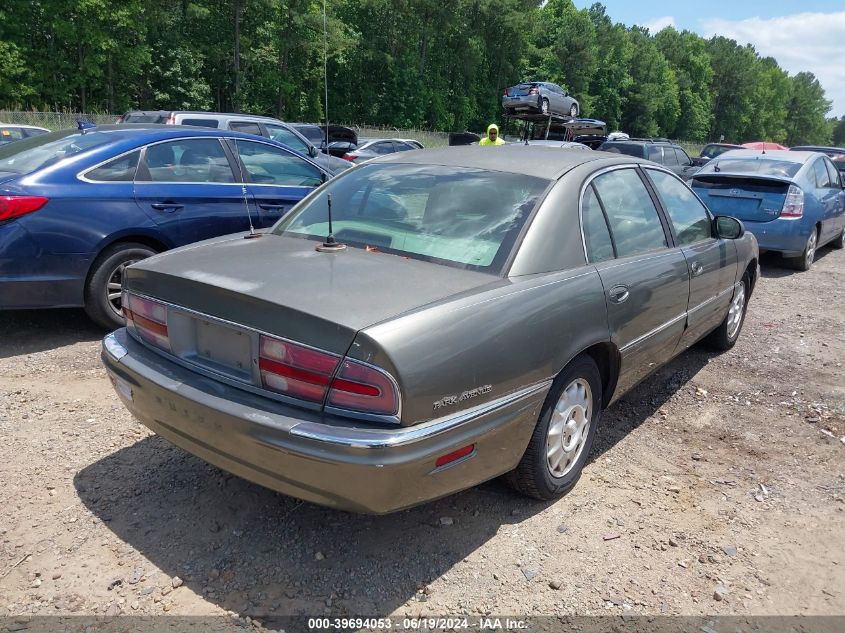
x: 78, y: 206
x: 793, y: 202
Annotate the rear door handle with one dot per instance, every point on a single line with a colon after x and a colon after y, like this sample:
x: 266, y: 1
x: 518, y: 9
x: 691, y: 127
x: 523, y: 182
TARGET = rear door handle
x: 696, y: 268
x: 618, y: 294
x: 170, y: 207
x: 269, y: 206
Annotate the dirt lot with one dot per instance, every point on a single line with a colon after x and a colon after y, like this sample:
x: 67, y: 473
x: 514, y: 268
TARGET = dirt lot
x: 716, y: 487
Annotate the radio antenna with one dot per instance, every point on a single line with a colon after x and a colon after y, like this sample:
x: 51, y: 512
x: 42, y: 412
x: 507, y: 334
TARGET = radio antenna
x: 326, y: 71
x: 331, y: 245
x: 252, y: 232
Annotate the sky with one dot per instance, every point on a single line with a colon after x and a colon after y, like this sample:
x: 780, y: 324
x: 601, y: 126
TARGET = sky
x: 801, y: 36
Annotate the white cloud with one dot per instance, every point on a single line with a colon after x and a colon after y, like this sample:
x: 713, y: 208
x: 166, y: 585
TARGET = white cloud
x: 658, y: 24
x: 813, y: 42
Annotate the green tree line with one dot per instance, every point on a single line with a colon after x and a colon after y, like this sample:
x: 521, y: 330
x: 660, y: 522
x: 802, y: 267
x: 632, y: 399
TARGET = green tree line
x: 403, y: 63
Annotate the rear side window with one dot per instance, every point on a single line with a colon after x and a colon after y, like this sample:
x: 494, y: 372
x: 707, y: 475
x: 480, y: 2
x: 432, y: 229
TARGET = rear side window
x: 188, y: 160
x: 385, y: 147
x: 688, y: 215
x: 683, y: 159
x: 247, y: 127
x: 833, y: 174
x: 822, y: 177
x: 120, y: 169
x: 656, y: 154
x: 596, y: 234
x: 10, y: 134
x: 213, y: 123
x: 633, y: 218
x: 268, y: 165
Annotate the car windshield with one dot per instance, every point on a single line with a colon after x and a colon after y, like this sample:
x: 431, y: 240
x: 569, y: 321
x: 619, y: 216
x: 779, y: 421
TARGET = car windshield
x: 756, y: 166
x: 631, y: 149
x: 461, y: 217
x: 37, y: 152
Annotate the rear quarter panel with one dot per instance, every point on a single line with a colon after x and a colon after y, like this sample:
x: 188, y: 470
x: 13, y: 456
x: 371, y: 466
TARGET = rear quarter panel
x: 512, y: 335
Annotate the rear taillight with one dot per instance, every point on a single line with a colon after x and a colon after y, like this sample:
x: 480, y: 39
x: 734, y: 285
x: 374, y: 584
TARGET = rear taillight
x: 349, y: 156
x: 793, y: 205
x: 147, y: 318
x: 295, y: 371
x: 505, y: 92
x: 16, y: 206
x: 171, y: 120
x: 363, y: 388
x: 309, y: 374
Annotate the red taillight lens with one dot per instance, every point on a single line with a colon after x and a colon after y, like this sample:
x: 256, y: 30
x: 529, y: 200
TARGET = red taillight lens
x: 148, y: 319
x: 359, y: 387
x: 171, y: 120
x: 294, y: 370
x: 793, y: 204
x: 16, y: 206
x: 505, y: 92
x: 454, y: 456
x: 349, y: 156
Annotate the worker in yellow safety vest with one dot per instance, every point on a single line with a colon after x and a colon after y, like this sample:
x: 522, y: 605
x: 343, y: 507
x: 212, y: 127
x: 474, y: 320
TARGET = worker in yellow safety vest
x: 492, y: 137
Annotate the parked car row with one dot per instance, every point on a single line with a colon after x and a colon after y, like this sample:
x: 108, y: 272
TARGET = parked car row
x: 319, y: 312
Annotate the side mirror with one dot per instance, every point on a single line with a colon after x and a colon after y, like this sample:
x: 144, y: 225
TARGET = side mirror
x: 728, y: 228
x: 313, y: 152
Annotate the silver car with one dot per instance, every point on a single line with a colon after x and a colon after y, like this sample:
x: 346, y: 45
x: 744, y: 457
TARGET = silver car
x: 540, y: 96
x: 428, y: 321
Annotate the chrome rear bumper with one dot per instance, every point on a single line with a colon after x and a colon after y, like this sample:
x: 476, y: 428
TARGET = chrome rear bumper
x: 313, y: 456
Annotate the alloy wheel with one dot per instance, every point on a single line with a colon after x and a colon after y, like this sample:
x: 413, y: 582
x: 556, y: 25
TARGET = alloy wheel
x: 569, y: 427
x: 810, y: 251
x: 115, y: 285
x: 736, y: 311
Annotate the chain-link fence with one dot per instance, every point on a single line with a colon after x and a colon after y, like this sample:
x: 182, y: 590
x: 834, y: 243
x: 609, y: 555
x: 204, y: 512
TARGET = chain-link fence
x: 54, y: 120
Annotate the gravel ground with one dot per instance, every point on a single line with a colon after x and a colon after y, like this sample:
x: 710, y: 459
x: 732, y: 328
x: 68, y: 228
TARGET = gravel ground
x: 716, y: 487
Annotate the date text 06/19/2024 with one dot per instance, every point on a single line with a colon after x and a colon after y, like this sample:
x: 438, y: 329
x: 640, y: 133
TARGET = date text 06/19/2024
x: 416, y: 624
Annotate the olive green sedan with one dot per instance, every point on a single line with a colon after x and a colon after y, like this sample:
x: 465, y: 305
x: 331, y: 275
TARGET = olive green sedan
x: 429, y: 320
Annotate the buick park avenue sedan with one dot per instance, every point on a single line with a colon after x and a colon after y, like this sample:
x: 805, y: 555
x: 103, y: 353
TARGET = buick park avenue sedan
x: 487, y: 307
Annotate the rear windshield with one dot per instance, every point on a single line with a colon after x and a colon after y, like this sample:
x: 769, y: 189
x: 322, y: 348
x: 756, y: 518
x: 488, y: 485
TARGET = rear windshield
x: 758, y: 166
x: 141, y: 117
x: 311, y: 132
x: 711, y: 151
x: 41, y: 151
x: 461, y: 217
x: 623, y: 148
x: 214, y: 123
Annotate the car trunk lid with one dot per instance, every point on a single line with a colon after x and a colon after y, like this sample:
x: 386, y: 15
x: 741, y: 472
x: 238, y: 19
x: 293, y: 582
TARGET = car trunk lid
x: 521, y: 90
x: 750, y: 198
x: 282, y: 286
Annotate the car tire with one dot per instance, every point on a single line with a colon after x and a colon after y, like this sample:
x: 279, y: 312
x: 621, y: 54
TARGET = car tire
x: 839, y: 242
x: 805, y: 260
x: 573, y: 110
x: 100, y: 303
x: 726, y: 335
x: 570, y: 415
x: 544, y: 106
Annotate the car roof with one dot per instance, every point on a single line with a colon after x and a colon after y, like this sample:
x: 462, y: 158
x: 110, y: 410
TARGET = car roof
x: 817, y: 148
x: 21, y: 125
x: 530, y: 160
x: 787, y: 155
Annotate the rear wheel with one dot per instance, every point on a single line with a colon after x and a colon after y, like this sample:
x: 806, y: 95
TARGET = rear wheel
x: 725, y: 336
x: 544, y: 105
x: 573, y: 111
x: 102, y: 292
x: 561, y: 442
x: 805, y: 260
